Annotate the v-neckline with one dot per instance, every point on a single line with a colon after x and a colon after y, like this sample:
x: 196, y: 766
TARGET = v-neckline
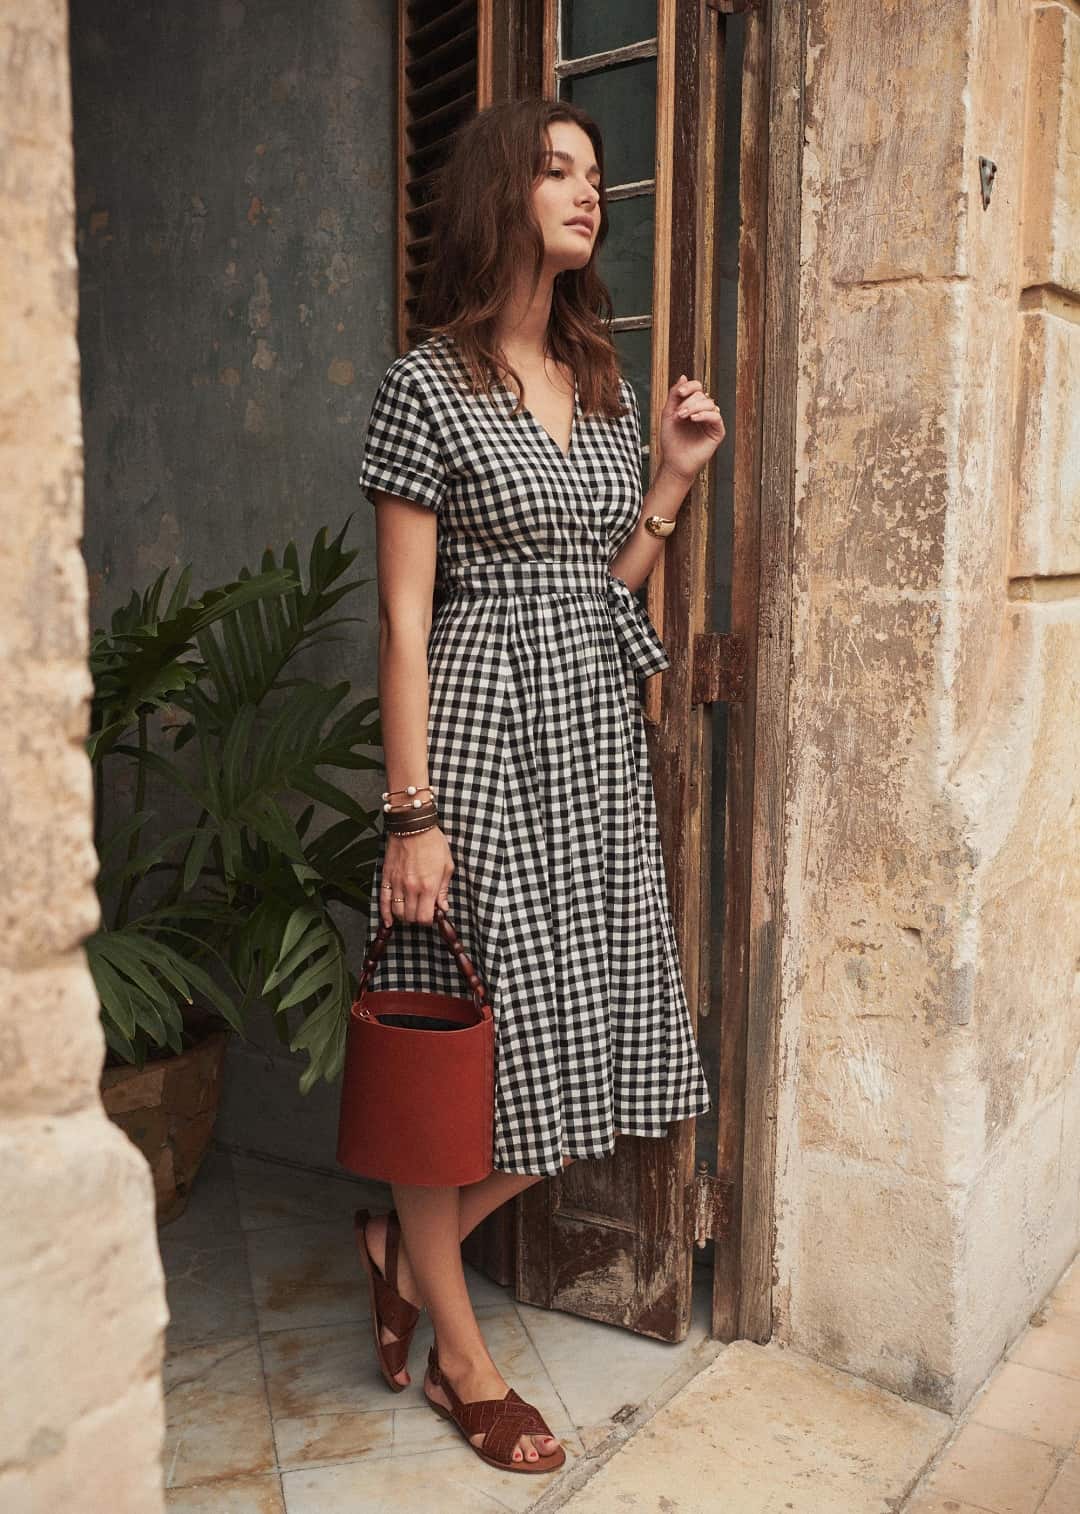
x: 542, y: 429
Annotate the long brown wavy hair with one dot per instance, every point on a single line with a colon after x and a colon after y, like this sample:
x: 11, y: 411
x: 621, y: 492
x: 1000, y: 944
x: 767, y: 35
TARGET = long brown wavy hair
x: 483, y: 232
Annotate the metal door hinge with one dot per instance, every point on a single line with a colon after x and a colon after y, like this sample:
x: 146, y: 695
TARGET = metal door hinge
x: 719, y: 671
x: 713, y: 1200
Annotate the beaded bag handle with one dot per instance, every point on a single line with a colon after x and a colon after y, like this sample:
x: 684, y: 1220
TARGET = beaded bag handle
x: 453, y: 941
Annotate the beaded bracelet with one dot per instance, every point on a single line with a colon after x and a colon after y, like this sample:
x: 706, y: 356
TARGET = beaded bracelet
x: 412, y: 818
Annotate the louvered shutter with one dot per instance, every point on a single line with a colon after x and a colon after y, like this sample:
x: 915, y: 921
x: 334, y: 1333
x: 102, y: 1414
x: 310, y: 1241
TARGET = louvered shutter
x: 444, y: 76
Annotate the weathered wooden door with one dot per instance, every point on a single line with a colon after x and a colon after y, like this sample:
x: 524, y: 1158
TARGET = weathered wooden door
x: 681, y: 89
x: 612, y: 1240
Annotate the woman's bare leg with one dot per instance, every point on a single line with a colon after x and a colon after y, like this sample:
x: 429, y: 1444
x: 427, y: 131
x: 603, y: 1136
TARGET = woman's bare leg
x: 436, y: 1220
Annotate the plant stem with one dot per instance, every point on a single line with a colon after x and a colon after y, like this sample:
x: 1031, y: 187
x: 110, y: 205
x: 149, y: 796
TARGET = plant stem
x: 124, y: 902
x: 174, y: 892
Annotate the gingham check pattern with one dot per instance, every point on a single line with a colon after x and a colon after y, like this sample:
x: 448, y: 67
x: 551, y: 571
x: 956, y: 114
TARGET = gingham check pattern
x: 536, y: 745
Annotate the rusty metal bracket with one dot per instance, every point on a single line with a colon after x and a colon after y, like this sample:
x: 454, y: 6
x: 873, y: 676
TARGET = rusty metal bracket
x: 712, y: 1207
x: 719, y: 670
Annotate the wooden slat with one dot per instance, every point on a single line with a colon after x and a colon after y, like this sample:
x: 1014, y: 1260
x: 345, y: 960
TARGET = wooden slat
x: 573, y: 68
x: 611, y: 1240
x: 778, y: 35
x: 739, y: 797
x: 451, y: 19
x: 677, y: 593
x: 661, y: 301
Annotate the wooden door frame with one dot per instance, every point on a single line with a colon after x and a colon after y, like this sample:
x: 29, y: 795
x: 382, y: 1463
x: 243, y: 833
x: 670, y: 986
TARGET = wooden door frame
x: 755, y: 811
x: 748, y: 666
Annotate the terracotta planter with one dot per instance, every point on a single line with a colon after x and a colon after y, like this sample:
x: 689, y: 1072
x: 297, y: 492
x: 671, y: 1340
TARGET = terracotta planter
x: 168, y: 1109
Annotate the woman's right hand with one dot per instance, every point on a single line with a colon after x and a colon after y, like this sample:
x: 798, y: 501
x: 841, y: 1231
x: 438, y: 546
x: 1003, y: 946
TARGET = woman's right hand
x: 419, y: 869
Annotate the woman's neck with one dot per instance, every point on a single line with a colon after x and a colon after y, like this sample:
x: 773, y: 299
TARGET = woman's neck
x: 521, y: 332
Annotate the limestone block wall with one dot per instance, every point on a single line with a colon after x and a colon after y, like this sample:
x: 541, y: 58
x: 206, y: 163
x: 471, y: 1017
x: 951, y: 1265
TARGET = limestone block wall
x: 929, y: 1119
x: 82, y: 1308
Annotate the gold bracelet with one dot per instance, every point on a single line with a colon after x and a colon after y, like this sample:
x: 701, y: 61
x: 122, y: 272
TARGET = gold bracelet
x: 659, y: 525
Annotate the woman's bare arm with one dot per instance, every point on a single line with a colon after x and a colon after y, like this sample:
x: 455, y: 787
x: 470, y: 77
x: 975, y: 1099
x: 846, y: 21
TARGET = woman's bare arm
x: 637, y: 556
x: 419, y: 867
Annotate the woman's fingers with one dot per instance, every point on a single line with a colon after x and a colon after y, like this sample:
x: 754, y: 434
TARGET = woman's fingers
x: 406, y: 901
x: 683, y: 387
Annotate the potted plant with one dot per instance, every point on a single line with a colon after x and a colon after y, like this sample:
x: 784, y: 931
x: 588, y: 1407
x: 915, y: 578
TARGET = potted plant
x: 221, y: 882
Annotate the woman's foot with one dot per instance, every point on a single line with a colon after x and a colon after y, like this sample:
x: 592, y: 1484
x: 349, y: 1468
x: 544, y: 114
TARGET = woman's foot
x: 476, y: 1380
x: 375, y: 1234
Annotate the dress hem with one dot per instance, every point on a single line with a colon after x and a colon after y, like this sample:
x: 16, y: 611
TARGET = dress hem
x: 652, y: 1134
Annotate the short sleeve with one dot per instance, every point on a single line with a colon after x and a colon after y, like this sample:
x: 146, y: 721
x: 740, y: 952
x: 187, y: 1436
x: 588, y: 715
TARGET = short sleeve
x: 401, y: 452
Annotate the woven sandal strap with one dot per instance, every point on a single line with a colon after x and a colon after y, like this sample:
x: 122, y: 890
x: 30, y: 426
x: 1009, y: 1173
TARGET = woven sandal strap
x: 501, y: 1422
x: 538, y: 1425
x: 395, y: 1353
x: 395, y: 1312
x: 527, y: 1419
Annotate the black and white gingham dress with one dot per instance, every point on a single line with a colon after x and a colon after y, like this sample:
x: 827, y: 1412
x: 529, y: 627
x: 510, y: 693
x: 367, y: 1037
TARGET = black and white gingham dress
x: 536, y: 747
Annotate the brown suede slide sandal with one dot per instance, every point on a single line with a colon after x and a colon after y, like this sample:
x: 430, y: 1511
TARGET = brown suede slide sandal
x: 503, y: 1419
x: 387, y: 1305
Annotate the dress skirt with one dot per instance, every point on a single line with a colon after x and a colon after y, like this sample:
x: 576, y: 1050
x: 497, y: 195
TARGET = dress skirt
x: 537, y: 753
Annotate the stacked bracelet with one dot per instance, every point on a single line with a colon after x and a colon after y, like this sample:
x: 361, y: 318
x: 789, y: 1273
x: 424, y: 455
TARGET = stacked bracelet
x: 412, y: 817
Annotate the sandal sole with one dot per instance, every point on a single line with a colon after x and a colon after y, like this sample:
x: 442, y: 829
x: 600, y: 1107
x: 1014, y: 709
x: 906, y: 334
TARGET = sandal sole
x: 369, y: 1267
x: 550, y: 1463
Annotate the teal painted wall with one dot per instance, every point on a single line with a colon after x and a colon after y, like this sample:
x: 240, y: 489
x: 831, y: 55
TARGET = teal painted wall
x: 234, y: 176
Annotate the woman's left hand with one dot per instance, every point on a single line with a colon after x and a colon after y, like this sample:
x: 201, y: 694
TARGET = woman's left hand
x: 691, y: 428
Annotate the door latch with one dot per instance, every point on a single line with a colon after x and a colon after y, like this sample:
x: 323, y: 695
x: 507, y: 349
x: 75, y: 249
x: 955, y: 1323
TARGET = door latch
x: 713, y: 1203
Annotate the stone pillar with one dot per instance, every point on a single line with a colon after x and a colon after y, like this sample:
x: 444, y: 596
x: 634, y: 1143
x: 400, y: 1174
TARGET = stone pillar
x: 82, y: 1309
x: 929, y: 1123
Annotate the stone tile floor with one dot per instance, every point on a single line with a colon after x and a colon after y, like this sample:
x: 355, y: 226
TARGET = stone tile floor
x: 1016, y: 1449
x: 274, y: 1401
x: 275, y: 1406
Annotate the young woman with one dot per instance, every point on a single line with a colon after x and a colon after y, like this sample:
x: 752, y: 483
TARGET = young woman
x: 514, y: 711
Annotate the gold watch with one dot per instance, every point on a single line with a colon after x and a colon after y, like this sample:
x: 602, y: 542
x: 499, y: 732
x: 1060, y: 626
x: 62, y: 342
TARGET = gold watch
x: 659, y: 525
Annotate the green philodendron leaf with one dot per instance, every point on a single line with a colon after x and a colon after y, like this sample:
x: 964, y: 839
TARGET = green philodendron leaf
x: 318, y: 975
x: 126, y: 958
x: 196, y: 857
x: 120, y: 1044
x: 113, y: 993
x: 141, y: 663
x: 142, y: 864
x: 318, y: 937
x: 298, y: 922
x: 251, y: 874
x: 122, y: 835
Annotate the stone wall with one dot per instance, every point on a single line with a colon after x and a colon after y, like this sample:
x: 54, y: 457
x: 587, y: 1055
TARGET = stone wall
x: 929, y: 1149
x: 82, y: 1309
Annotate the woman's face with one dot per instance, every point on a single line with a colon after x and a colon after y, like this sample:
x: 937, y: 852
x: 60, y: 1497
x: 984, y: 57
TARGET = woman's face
x: 566, y: 198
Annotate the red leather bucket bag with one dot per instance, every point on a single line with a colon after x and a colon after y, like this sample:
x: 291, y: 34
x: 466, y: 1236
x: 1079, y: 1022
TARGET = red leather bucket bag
x: 418, y: 1087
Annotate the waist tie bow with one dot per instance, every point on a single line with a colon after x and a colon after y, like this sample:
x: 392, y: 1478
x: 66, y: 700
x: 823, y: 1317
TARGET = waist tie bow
x: 642, y: 650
